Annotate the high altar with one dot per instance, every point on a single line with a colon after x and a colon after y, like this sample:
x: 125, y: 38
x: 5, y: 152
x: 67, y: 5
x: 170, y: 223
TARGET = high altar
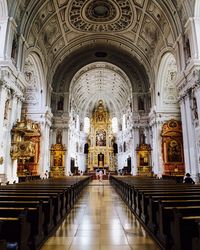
x: 100, y: 140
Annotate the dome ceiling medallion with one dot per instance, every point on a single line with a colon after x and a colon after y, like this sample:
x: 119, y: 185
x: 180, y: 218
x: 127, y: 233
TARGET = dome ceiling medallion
x: 101, y: 15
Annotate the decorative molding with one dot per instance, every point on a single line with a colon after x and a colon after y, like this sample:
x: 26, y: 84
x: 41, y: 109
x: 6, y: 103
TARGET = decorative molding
x: 101, y: 15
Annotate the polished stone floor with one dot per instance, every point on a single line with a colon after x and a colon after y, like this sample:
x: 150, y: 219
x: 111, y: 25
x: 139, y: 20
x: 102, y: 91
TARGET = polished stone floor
x: 100, y: 221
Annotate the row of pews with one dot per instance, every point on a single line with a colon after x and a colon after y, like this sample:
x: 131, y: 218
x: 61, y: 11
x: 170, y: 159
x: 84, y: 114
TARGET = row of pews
x: 30, y: 212
x: 170, y: 212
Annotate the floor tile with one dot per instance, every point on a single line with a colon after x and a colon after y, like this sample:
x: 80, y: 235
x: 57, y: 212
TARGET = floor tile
x: 100, y: 220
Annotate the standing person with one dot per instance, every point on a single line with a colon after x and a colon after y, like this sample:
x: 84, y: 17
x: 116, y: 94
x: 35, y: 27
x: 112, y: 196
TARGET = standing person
x: 100, y: 175
x: 46, y: 174
x: 188, y: 179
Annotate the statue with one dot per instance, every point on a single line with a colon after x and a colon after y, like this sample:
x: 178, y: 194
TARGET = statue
x: 59, y: 138
x: 195, y: 111
x: 140, y: 103
x: 6, y: 110
x: 14, y: 49
x: 60, y: 103
x: 100, y: 159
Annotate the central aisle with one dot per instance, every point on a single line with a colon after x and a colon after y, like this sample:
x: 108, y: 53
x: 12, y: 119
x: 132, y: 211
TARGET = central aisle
x: 100, y: 220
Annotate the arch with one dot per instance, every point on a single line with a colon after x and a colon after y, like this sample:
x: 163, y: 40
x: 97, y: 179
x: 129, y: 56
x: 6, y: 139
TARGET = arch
x: 36, y: 90
x: 3, y: 9
x: 165, y: 88
x: 79, y: 55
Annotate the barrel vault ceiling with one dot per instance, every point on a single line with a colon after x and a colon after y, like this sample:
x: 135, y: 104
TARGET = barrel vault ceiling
x: 62, y: 28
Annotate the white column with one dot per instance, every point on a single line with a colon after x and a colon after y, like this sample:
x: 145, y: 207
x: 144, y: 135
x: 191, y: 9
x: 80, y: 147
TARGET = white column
x: 12, y: 26
x: 185, y: 137
x: 10, y: 174
x: 157, y: 158
x: 19, y: 107
x: 197, y: 95
x: 3, y: 97
x: 47, y: 148
x: 14, y: 109
x: 65, y: 142
x: 3, y: 29
x: 11, y: 166
x: 68, y: 153
x: 44, y: 162
x: 20, y: 54
x: 191, y: 139
x: 134, y: 154
x: 179, y: 50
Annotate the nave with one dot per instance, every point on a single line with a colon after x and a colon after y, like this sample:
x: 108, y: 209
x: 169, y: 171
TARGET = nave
x: 100, y: 220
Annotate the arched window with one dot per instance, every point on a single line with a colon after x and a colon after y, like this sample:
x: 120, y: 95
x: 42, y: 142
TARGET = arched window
x: 86, y: 125
x: 114, y: 125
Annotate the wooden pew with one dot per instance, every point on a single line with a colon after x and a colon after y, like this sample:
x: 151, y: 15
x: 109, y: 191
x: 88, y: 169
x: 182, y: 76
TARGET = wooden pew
x: 56, y: 197
x: 59, y: 198
x: 196, y: 240
x: 144, y: 198
x: 16, y: 230
x: 35, y: 217
x: 27, y: 197
x: 166, y: 217
x: 47, y: 209
x: 172, y: 201
x: 184, y: 229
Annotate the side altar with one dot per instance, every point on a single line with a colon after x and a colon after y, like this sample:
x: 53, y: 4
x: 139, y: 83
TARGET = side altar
x: 100, y: 140
x: 57, y: 160
x: 172, y: 148
x: 25, y: 147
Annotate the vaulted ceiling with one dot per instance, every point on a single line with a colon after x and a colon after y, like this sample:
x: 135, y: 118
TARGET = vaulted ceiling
x: 100, y: 81
x: 73, y: 33
x: 58, y: 27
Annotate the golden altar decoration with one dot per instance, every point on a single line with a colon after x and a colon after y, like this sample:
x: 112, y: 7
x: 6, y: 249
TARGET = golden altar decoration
x: 100, y: 140
x: 25, y: 146
x: 57, y: 160
x: 144, y: 159
x: 172, y: 148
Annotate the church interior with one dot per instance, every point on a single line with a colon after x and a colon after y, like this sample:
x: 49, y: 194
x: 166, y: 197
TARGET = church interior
x: 110, y: 86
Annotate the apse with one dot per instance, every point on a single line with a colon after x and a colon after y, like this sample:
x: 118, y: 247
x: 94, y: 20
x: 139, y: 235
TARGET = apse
x: 100, y: 81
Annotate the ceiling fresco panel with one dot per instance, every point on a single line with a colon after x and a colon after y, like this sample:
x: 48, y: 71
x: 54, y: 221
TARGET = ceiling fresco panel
x: 44, y: 14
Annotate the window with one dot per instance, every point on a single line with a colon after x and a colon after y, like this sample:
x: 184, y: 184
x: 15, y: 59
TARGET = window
x: 114, y: 125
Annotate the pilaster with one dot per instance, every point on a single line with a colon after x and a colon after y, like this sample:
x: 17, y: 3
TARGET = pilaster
x: 191, y: 138
x: 12, y: 26
x: 3, y: 29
